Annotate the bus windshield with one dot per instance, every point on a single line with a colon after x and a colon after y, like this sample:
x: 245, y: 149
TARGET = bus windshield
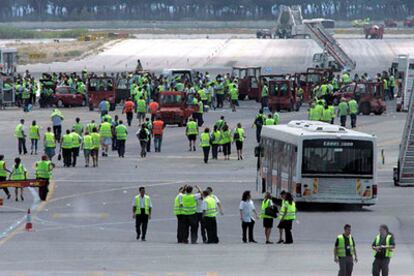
x: 339, y: 157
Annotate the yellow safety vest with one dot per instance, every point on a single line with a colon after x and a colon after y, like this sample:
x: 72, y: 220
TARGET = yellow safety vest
x: 388, y: 251
x: 341, y: 250
x: 43, y: 169
x: 211, y: 210
x: 189, y: 204
x: 138, y: 204
x: 18, y: 173
x: 50, y: 140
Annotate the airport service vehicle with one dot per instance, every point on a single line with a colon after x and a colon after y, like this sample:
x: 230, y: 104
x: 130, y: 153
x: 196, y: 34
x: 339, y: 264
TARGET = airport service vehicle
x: 318, y: 163
x: 66, y: 96
x: 374, y: 31
x: 171, y: 74
x: 176, y: 107
x: 122, y: 90
x: 264, y: 33
x: 390, y: 23
x: 282, y: 96
x: 7, y: 91
x: 8, y: 60
x: 369, y: 95
x: 308, y: 81
x: 402, y: 68
x: 101, y: 88
x: 409, y: 22
x: 248, y: 81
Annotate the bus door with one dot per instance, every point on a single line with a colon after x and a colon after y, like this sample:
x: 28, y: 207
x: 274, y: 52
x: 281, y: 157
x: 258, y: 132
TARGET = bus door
x: 270, y: 157
x: 292, y: 168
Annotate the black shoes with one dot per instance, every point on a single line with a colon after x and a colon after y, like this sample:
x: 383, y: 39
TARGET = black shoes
x: 280, y: 241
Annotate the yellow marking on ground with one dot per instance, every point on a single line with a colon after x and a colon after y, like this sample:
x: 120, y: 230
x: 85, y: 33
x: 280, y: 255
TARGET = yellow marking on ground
x: 39, y: 208
x: 80, y: 215
x: 211, y: 274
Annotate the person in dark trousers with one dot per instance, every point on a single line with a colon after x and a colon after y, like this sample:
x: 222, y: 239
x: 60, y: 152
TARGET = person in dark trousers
x: 21, y: 138
x: 142, y: 136
x: 267, y: 220
x: 114, y: 124
x: 76, y: 143
x: 141, y: 212
x: 205, y: 142
x: 188, y: 203
x: 248, y: 215
x: 258, y: 123
x: 66, y: 147
x: 148, y: 124
x: 200, y: 219
x: 129, y: 107
x: 179, y: 212
x: 43, y: 172
x: 215, y: 142
x: 383, y: 245
x: 3, y: 174
x: 210, y: 213
x: 287, y: 215
x: 345, y: 252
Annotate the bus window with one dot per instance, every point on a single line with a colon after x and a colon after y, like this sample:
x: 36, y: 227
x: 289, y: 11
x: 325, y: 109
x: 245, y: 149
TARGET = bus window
x: 254, y: 83
x: 344, y: 157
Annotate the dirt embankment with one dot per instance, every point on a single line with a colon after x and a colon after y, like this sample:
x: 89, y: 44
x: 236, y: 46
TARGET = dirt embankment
x: 58, y: 51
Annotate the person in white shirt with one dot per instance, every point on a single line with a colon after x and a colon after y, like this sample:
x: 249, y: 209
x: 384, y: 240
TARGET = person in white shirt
x: 141, y: 211
x: 248, y: 215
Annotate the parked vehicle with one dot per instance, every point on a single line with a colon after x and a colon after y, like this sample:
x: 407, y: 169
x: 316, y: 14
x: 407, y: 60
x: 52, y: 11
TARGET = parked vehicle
x: 7, y: 91
x: 101, y: 88
x: 175, y: 107
x: 390, y: 23
x: 282, y: 96
x: 308, y: 81
x: 66, y: 96
x: 248, y: 81
x: 374, y: 31
x: 409, y: 22
x: 264, y: 33
x: 171, y: 74
x: 369, y: 95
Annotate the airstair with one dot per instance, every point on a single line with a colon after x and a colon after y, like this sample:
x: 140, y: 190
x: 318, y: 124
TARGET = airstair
x: 327, y: 42
x: 404, y: 174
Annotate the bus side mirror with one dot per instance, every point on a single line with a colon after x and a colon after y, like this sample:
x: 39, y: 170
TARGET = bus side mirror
x: 258, y: 151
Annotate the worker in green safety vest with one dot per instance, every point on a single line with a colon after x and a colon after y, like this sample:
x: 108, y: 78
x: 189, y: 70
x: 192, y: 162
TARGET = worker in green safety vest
x: 87, y: 146
x: 215, y: 141
x: 345, y: 252
x: 353, y: 111
x: 238, y: 138
x: 234, y: 95
x: 178, y: 212
x: 76, y: 143
x: 264, y: 94
x: 333, y: 113
x: 121, y: 133
x: 4, y: 172
x: 205, y: 142
x: 383, y: 246
x: 326, y: 114
x: 269, y: 121
x: 21, y: 137
x: 34, y: 136
x: 391, y: 86
x: 188, y: 205
x: 343, y: 111
x: 96, y: 141
x: 141, y: 212
x: 191, y: 131
x: 44, y: 172
x: 105, y: 131
x: 267, y: 219
x: 287, y: 215
x: 66, y: 148
x: 78, y: 127
x: 18, y: 172
x: 209, y: 215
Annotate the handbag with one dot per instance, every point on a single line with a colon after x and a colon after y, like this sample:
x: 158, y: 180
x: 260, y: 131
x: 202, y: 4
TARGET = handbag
x: 271, y: 211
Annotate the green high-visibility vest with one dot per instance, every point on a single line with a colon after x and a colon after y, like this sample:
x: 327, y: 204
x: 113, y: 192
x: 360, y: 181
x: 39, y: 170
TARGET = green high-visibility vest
x: 34, y: 132
x: 78, y: 127
x: 219, y: 124
x: 332, y: 109
x: 96, y: 139
x: 67, y: 142
x: 211, y: 210
x: 91, y: 126
x: 192, y: 128
x: 18, y: 173
x: 3, y: 172
x: 200, y: 107
x: 318, y: 112
x: 177, y: 208
x: 43, y: 169
x: 216, y: 137
x: 343, y: 109
x: 19, y: 131
x: 205, y: 139
x: 288, y: 210
x: 138, y: 204
x: 264, y: 91
x: 87, y: 142
x: 234, y: 93
x: 240, y: 131
x: 75, y: 140
x: 50, y: 140
x: 226, y: 137
x: 353, y: 106
x: 265, y: 204
x: 141, y: 106
x: 189, y: 204
x: 121, y: 132
x: 388, y: 251
x: 25, y: 94
x: 269, y: 122
x: 276, y: 117
x: 105, y: 130
x: 340, y: 248
x: 326, y: 115
x: 385, y: 84
x: 202, y: 94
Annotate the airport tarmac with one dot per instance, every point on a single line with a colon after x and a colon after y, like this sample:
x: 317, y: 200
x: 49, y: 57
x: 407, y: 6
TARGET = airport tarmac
x: 86, y: 227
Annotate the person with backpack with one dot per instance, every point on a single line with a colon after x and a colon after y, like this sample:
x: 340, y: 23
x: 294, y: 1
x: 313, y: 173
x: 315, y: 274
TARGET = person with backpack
x: 258, y: 123
x: 238, y: 138
x: 142, y: 136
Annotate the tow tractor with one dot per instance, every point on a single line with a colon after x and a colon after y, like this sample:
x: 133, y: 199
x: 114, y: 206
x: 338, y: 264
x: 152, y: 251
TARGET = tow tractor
x: 282, y: 96
x: 308, y: 81
x: 101, y: 88
x: 176, y: 107
x: 248, y: 81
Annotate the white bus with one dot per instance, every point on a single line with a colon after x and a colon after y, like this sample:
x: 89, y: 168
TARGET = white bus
x: 319, y: 163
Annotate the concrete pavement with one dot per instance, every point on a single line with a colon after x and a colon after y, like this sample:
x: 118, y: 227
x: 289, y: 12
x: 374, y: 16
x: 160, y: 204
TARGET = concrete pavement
x: 86, y: 227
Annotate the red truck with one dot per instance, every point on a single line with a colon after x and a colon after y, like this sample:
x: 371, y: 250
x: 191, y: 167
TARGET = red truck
x: 101, y: 88
x: 65, y: 96
x: 369, y: 95
x: 175, y: 107
x: 374, y: 31
x: 282, y: 96
x: 248, y: 81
